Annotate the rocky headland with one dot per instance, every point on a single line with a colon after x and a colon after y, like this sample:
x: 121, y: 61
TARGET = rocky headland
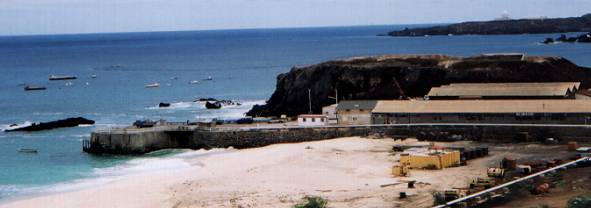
x: 399, y: 76
x: 498, y: 27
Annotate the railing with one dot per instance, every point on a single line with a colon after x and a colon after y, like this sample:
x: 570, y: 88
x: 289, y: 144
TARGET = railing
x: 86, y: 145
x: 451, y: 203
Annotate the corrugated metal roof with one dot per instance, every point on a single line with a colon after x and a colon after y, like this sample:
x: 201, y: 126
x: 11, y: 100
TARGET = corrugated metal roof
x: 504, y: 89
x: 483, y: 106
x: 356, y: 104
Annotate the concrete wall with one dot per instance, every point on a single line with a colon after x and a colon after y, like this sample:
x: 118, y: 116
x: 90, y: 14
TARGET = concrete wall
x: 146, y: 141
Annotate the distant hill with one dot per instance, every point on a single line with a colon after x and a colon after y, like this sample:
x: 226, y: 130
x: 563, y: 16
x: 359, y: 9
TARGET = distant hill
x: 498, y: 27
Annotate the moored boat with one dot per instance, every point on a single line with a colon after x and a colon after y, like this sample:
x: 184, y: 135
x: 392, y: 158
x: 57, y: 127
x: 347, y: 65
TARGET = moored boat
x: 31, y: 88
x: 54, y: 77
x: 153, y: 85
x: 27, y: 150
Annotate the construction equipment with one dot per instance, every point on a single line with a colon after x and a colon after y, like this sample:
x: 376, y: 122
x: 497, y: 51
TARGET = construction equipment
x: 455, y: 193
x: 495, y: 172
x: 482, y: 182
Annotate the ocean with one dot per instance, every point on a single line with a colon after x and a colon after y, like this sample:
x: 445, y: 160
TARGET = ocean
x: 244, y: 65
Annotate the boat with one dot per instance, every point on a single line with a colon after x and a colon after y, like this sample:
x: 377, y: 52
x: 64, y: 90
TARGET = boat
x: 153, y: 85
x: 13, y: 127
x: 27, y: 150
x: 93, y: 76
x: 53, y: 77
x: 215, y: 105
x: 209, y: 78
x: 31, y: 88
x: 194, y: 82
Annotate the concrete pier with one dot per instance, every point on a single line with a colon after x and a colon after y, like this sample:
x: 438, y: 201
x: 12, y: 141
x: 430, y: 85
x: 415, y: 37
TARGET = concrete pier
x: 138, y: 141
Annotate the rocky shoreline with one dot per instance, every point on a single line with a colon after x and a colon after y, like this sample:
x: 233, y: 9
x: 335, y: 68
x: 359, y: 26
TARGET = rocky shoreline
x: 498, y: 27
x: 396, y: 76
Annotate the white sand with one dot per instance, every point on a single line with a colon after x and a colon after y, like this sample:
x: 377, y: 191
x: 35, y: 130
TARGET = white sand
x: 347, y: 171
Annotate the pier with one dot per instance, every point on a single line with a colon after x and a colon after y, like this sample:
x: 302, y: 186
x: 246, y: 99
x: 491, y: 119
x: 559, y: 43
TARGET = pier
x: 132, y: 140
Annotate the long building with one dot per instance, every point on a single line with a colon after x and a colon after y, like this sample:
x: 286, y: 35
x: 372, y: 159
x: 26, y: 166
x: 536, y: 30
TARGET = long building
x: 545, y: 111
x: 535, y: 90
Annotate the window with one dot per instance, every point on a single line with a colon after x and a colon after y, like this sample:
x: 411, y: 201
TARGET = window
x: 313, y: 119
x: 361, y: 110
x: 355, y: 118
x: 322, y: 120
x: 304, y: 119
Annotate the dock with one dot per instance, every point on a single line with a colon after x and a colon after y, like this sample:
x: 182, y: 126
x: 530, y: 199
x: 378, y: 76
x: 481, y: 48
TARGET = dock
x: 133, y: 140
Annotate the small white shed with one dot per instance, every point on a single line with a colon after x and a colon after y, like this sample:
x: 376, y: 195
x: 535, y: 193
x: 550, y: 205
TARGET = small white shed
x: 312, y: 120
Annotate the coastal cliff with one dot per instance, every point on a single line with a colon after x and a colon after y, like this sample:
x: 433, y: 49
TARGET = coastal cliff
x: 497, y: 27
x: 396, y: 76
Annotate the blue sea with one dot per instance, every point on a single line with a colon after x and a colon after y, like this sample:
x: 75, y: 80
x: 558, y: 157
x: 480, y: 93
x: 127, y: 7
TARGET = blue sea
x: 244, y: 65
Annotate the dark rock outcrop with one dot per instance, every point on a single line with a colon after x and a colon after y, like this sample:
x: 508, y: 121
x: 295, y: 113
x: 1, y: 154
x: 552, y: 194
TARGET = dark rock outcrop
x: 496, y: 27
x: 584, y: 38
x: 392, y: 77
x: 69, y: 122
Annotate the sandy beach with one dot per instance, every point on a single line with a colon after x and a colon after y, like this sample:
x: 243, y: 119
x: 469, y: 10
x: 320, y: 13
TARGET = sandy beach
x: 348, y: 172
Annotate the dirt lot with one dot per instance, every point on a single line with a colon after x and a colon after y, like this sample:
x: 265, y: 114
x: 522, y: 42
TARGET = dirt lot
x: 573, y: 182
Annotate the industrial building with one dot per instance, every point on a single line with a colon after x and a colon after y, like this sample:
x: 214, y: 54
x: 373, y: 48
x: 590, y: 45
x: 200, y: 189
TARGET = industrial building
x: 355, y: 112
x: 535, y: 90
x: 553, y: 111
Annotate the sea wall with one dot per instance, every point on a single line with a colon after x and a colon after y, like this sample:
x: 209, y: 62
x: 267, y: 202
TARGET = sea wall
x: 122, y: 142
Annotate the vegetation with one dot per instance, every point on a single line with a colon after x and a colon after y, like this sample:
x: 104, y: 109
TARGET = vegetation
x: 580, y: 202
x: 438, y: 198
x: 312, y: 202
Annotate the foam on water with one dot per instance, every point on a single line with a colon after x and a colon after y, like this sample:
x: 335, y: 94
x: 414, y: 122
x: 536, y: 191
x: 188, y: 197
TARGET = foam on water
x: 159, y: 161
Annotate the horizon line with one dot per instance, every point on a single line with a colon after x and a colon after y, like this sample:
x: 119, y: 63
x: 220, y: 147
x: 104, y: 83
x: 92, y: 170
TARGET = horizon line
x: 205, y: 30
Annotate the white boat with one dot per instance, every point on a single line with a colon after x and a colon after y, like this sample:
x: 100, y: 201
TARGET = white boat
x: 93, y: 76
x: 17, y: 126
x: 209, y: 78
x: 153, y: 85
x: 194, y: 82
x: 54, y: 77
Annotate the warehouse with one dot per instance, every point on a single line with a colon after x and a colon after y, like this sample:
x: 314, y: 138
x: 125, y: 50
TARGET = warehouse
x: 555, y: 111
x: 355, y: 112
x: 535, y: 90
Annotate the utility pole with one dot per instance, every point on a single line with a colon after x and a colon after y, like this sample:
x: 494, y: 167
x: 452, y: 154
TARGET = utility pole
x: 336, y: 97
x: 310, y: 101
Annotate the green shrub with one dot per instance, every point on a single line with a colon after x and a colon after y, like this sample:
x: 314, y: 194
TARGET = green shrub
x: 312, y: 202
x: 438, y: 198
x: 579, y: 202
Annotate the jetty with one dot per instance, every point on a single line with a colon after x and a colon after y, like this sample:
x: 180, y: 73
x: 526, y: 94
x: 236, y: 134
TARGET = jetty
x: 181, y: 135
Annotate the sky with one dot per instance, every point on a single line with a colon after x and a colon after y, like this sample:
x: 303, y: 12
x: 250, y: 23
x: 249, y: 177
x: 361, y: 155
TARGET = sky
x: 28, y: 17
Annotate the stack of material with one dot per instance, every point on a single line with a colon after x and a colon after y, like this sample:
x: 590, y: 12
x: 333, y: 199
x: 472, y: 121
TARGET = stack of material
x: 400, y: 170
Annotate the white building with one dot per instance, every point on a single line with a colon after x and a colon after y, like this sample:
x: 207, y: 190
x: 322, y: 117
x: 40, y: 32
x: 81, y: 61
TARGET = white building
x: 331, y: 112
x: 312, y: 120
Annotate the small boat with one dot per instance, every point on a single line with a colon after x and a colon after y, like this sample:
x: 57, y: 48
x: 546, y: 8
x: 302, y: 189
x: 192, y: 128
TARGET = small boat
x: 209, y: 78
x: 13, y: 127
x: 28, y: 150
x: 53, y: 77
x: 31, y: 88
x: 194, y: 82
x: 215, y: 105
x: 93, y: 76
x: 153, y: 85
